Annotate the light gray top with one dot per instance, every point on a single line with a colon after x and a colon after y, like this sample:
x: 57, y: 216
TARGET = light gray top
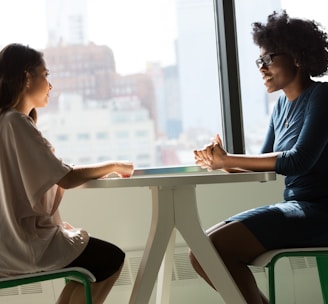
x: 33, y: 236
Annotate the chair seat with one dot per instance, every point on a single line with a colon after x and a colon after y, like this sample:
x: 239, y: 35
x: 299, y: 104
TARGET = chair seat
x: 268, y: 259
x: 78, y: 274
x: 265, y: 258
x: 69, y: 272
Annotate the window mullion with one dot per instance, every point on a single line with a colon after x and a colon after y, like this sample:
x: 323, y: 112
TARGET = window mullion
x: 232, y: 120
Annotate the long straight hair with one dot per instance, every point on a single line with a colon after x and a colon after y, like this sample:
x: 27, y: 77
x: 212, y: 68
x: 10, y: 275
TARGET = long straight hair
x: 16, y: 60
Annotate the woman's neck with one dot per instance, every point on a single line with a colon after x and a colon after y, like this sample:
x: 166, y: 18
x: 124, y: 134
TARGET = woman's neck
x: 296, y: 89
x: 23, y: 107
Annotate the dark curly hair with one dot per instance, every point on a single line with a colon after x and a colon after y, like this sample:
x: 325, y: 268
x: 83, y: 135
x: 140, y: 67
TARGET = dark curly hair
x: 302, y: 39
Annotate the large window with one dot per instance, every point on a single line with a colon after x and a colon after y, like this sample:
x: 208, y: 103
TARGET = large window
x: 143, y: 80
x: 133, y: 80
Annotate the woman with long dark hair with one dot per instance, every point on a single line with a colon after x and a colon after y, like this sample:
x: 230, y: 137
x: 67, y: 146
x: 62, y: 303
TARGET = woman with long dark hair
x: 32, y: 183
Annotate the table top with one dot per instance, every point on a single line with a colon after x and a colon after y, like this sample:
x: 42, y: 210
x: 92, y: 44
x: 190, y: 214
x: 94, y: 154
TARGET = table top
x: 175, y: 177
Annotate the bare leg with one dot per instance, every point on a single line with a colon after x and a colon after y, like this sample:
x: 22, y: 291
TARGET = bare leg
x: 237, y: 246
x: 73, y: 292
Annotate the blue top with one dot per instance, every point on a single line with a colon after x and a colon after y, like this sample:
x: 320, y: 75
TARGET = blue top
x: 304, y: 143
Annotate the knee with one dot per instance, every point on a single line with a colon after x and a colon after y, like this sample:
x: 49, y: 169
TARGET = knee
x: 194, y: 261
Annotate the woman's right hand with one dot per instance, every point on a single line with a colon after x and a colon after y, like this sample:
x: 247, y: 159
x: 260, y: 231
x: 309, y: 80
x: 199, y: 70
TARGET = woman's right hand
x: 81, y: 174
x: 124, y: 169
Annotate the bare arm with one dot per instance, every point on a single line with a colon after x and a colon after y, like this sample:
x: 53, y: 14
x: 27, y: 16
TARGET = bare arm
x: 81, y: 174
x: 262, y: 162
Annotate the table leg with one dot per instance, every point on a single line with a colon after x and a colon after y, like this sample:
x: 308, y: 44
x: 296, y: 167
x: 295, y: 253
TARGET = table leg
x: 164, y: 278
x: 162, y: 225
x: 187, y: 222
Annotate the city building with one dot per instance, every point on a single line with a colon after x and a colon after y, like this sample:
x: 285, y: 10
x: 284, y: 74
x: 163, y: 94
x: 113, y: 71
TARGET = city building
x: 119, y: 128
x: 87, y: 70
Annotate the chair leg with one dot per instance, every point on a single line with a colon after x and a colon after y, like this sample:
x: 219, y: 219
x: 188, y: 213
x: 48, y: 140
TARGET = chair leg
x: 322, y: 265
x: 88, y: 293
x: 272, y: 289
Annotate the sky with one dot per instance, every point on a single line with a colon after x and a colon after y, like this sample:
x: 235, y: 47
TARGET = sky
x: 137, y: 31
x: 313, y: 10
x: 126, y: 26
x: 129, y: 25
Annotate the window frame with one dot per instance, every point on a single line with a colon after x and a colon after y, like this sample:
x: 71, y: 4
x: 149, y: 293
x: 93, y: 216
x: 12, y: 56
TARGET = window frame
x: 229, y: 81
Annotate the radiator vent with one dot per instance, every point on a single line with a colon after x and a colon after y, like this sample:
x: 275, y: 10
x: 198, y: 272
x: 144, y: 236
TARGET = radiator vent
x: 182, y: 270
x: 32, y: 288
x: 302, y: 262
x: 12, y: 291
x: 256, y: 269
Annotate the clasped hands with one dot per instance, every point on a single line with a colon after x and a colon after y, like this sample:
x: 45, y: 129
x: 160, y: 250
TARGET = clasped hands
x: 212, y: 156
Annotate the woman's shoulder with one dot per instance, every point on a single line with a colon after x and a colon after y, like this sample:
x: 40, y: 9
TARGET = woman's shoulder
x: 13, y: 116
x: 13, y: 120
x: 318, y: 90
x: 319, y: 86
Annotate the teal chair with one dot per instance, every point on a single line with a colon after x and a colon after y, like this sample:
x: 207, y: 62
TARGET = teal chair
x: 78, y: 274
x: 270, y: 258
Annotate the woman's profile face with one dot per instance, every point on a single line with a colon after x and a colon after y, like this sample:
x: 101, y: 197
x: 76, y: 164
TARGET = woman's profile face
x: 280, y: 72
x: 38, y: 87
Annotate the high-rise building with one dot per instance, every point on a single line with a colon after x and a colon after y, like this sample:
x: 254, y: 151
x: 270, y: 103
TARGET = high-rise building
x: 87, y: 70
x: 139, y: 85
x: 67, y: 22
x: 168, y: 103
x: 197, y: 63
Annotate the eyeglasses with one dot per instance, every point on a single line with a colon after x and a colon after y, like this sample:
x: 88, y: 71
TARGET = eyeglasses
x: 266, y: 59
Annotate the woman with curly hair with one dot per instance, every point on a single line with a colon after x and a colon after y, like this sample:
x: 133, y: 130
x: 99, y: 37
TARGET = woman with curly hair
x: 292, y: 51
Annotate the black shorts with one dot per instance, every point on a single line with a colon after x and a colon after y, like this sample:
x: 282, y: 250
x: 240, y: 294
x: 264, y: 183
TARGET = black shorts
x: 288, y: 224
x: 101, y: 258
